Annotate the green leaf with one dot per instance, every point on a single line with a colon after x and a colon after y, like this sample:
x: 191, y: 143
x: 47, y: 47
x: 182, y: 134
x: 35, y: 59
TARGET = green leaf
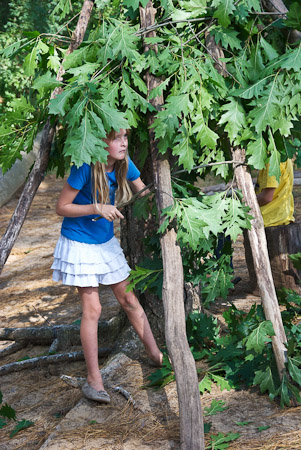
x: 76, y: 58
x: 257, y: 151
x: 224, y: 9
x: 112, y: 119
x: 234, y: 117
x: 8, y: 412
x: 294, y: 371
x: 159, y: 89
x: 84, y: 145
x: 30, y: 63
x: 263, y: 427
x: 227, y: 37
x: 268, y: 49
x: 58, y: 104
x: 242, y: 424
x: 260, y: 336
x: 296, y: 260
x: 275, y: 159
x: 184, y: 150
x: 46, y: 82
x: 294, y: 17
x: 220, y: 442
x: 251, y: 91
x: 54, y: 62
x: 264, y: 378
x: 205, y: 384
x: 292, y: 60
x: 42, y: 46
x: 21, y: 425
x: 135, y: 3
x: 179, y: 104
x: 215, y: 407
x: 205, y: 135
x: 13, y: 48
x: 85, y: 69
x: 266, y: 110
x: 221, y: 382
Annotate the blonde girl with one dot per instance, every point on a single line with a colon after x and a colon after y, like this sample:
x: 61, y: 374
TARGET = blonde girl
x: 88, y: 254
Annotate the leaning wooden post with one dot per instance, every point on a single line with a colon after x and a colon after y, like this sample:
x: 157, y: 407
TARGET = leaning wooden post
x: 37, y: 174
x: 191, y: 419
x: 257, y: 239
x: 261, y: 260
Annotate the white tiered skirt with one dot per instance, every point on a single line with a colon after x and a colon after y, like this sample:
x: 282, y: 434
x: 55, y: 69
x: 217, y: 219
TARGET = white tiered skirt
x: 85, y: 265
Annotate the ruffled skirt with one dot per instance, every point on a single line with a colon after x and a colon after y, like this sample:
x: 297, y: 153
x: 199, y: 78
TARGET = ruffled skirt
x: 84, y: 265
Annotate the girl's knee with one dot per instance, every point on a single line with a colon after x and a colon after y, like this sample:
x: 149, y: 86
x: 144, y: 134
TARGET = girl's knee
x: 91, y: 311
x: 129, y: 301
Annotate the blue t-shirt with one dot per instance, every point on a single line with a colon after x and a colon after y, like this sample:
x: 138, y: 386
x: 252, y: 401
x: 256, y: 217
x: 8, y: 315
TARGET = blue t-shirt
x: 83, y: 229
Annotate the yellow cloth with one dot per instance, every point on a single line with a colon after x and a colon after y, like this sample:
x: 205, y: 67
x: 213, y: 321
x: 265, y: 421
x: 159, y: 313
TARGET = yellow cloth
x: 281, y: 209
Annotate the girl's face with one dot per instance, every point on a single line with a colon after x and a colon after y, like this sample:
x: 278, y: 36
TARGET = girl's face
x: 117, y: 147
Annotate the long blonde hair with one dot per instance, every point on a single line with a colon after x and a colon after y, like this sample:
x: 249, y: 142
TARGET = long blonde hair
x: 100, y: 179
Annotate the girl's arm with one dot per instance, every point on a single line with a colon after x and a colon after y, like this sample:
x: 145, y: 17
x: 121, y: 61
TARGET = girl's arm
x: 137, y: 185
x: 66, y: 208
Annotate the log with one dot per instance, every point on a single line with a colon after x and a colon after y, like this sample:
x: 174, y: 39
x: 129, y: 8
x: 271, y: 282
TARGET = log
x: 37, y: 174
x: 282, y: 241
x: 191, y: 419
x: 67, y: 335
x: 49, y: 359
x: 261, y: 260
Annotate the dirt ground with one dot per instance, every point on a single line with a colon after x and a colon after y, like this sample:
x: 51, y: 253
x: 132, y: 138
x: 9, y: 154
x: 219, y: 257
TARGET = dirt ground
x: 62, y: 419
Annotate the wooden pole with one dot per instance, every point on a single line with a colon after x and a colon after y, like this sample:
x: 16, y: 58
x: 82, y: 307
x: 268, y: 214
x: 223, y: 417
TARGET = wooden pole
x: 257, y: 240
x: 191, y: 419
x: 38, y: 172
x: 261, y: 260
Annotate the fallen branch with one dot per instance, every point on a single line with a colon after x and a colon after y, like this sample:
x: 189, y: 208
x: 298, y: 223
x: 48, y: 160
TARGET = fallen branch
x: 127, y: 395
x: 49, y: 359
x: 12, y: 348
x: 67, y: 335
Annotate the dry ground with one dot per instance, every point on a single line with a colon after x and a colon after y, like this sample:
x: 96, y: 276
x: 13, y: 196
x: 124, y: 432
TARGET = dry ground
x: 29, y: 297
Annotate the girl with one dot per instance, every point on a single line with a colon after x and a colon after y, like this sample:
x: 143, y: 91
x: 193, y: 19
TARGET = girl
x: 88, y: 254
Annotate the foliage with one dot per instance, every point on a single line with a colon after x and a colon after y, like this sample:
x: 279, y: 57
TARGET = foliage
x: 7, y: 413
x: 242, y: 354
x: 296, y: 260
x: 256, y: 106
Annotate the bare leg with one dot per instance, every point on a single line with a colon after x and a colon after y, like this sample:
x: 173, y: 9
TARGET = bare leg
x: 138, y: 319
x: 91, y: 310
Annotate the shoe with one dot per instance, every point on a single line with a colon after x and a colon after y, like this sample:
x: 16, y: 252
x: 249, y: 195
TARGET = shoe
x: 92, y: 394
x: 153, y: 363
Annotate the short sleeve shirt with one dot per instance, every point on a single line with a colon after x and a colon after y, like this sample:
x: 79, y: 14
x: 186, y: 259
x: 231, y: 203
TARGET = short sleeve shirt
x: 281, y: 209
x: 83, y: 229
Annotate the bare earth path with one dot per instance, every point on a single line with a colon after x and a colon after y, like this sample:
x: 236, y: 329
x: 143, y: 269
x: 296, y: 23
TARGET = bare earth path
x: 62, y: 418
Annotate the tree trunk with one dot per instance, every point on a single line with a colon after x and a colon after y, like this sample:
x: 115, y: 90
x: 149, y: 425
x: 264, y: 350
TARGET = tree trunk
x: 37, y: 174
x: 261, y: 260
x: 191, y: 420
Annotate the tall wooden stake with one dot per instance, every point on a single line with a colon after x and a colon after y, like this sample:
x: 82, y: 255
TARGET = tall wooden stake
x: 38, y: 172
x: 257, y: 240
x: 191, y: 419
x: 261, y: 261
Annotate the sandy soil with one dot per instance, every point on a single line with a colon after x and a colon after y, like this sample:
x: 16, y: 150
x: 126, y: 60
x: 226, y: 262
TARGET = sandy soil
x: 29, y: 297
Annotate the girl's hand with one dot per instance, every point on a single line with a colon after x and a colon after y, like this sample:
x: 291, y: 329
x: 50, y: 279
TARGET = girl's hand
x: 109, y: 212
